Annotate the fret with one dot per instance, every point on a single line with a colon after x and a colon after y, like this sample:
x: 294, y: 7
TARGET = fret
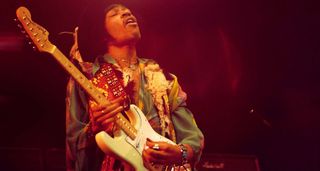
x: 126, y: 126
x: 78, y: 76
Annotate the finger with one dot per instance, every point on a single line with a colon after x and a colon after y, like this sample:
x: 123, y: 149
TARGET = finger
x: 96, y: 114
x: 102, y: 110
x: 107, y: 122
x: 106, y: 107
x: 161, y: 161
x: 110, y: 115
x: 147, y: 164
x: 154, y: 154
x: 103, y: 106
x: 150, y: 143
x: 117, y: 100
x: 146, y: 157
x: 157, y: 145
x: 157, y: 157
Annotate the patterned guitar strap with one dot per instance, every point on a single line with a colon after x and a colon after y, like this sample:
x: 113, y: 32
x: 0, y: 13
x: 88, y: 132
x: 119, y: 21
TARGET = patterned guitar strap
x: 107, y: 82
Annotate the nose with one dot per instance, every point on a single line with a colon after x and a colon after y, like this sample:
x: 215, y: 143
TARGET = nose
x: 126, y: 14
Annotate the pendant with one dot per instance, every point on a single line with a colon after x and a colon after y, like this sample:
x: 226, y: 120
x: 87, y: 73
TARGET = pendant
x: 127, y: 75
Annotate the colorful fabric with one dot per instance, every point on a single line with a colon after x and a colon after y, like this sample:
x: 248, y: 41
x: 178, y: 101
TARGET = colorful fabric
x: 176, y: 122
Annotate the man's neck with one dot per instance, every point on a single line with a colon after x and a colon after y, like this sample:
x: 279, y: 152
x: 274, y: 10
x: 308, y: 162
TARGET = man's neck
x: 124, y: 55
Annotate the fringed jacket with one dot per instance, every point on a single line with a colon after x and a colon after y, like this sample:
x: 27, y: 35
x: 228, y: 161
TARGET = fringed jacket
x: 159, y: 97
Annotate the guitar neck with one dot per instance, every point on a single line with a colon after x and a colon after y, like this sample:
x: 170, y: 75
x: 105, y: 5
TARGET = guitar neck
x: 39, y: 36
x: 79, y: 77
x: 82, y: 80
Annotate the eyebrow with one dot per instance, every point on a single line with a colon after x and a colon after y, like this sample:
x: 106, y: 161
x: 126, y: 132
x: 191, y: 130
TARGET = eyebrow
x: 116, y: 9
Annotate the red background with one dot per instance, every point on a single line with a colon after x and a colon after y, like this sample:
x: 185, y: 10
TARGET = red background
x: 230, y: 56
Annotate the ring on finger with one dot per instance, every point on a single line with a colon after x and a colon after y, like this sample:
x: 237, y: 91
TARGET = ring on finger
x: 156, y: 147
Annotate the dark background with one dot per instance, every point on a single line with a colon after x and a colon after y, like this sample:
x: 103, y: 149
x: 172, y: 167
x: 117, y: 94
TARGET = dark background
x: 231, y: 56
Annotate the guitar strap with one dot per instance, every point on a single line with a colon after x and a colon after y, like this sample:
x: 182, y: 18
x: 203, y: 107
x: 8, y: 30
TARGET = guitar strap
x: 107, y: 81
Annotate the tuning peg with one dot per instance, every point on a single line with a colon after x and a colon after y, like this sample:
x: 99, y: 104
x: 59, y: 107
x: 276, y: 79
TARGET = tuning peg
x: 19, y: 25
x: 34, y: 48
x: 22, y: 31
x: 30, y: 43
x: 15, y: 20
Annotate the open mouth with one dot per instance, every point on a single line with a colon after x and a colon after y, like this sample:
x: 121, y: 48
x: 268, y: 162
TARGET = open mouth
x: 131, y: 21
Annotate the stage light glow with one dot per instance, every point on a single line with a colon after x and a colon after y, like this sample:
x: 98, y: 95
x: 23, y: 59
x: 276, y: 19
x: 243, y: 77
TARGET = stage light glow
x: 11, y: 42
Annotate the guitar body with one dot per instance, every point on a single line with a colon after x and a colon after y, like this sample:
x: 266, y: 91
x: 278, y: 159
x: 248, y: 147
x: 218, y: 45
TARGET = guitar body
x: 127, y: 149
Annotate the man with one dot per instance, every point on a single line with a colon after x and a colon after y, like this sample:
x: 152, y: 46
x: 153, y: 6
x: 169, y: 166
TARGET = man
x: 159, y: 97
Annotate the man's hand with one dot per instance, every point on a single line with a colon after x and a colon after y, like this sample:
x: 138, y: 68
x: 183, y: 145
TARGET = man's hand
x: 102, y: 116
x: 161, y: 153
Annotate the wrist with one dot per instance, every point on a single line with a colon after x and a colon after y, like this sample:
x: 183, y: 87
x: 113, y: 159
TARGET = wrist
x: 184, y: 154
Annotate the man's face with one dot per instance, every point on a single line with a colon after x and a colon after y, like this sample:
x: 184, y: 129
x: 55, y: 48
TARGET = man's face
x: 122, y: 26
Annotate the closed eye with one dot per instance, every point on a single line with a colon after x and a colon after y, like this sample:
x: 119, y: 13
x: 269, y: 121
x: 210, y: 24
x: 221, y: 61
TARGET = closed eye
x: 113, y: 14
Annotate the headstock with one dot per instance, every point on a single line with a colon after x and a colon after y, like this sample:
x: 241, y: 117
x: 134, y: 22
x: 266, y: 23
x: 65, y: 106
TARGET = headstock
x: 35, y: 32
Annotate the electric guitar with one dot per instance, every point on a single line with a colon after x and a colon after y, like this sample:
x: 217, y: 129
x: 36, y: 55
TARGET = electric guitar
x: 126, y: 144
